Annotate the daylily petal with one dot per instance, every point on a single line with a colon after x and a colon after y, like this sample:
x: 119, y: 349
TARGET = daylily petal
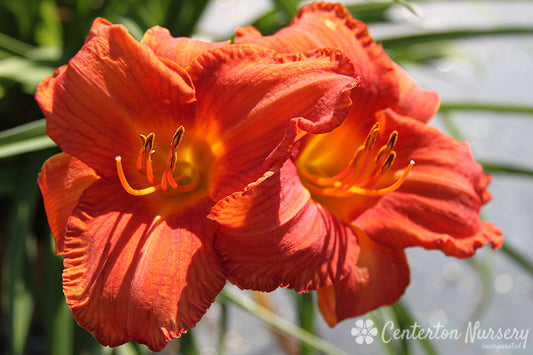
x: 113, y: 90
x: 413, y: 101
x: 437, y: 207
x: 133, y: 273
x: 62, y: 180
x: 180, y: 50
x: 247, y: 97
x: 272, y: 234
x: 379, y: 278
x: 384, y: 84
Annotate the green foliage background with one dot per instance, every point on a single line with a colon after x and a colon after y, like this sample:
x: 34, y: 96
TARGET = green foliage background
x: 37, y: 36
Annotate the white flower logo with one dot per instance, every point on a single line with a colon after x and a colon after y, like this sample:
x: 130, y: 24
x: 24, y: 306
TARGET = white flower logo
x: 364, y: 331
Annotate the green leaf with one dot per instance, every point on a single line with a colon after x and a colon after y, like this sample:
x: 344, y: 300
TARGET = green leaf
x: 188, y: 344
x: 13, y: 45
x: 25, y: 138
x: 29, y: 130
x: 281, y: 324
x: 58, y: 321
x: 289, y: 8
x: 380, y: 316
x: 518, y: 257
x: 182, y: 16
x: 270, y: 22
x: 482, y: 265
x: 17, y: 295
x: 223, y: 320
x: 401, y: 42
x: 369, y: 12
x: 496, y: 168
x: 485, y: 106
x: 408, y: 6
x: 25, y: 146
x: 25, y: 71
x: 48, y: 31
x: 405, y: 320
x: 8, y: 180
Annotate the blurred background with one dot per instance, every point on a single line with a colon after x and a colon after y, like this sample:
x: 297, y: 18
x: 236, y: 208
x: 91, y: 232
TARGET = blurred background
x: 477, y: 54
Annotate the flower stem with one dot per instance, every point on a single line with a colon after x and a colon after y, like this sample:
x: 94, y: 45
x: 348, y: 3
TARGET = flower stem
x: 278, y: 323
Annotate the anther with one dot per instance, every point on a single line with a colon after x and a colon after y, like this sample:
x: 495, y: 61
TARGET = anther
x: 372, y: 136
x: 176, y: 139
x: 388, y: 163
x: 146, y: 148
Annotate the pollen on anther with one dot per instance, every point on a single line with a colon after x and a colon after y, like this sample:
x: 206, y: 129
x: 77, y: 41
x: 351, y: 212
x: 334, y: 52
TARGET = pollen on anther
x: 176, y: 139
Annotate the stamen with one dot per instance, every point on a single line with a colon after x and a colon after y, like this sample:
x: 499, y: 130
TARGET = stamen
x: 357, y: 155
x: 150, y: 168
x: 127, y: 186
x: 364, y: 170
x: 195, y: 181
x: 145, y: 161
x: 355, y: 190
x: 386, y: 190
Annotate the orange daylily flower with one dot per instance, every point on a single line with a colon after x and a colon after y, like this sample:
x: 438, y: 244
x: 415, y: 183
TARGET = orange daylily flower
x: 364, y: 173
x: 130, y: 215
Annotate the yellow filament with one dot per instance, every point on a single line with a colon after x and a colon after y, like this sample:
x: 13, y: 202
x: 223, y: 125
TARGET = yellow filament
x: 127, y: 186
x: 354, y: 190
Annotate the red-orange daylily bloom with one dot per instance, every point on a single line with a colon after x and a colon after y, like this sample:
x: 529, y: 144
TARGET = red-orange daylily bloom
x: 364, y: 173
x: 130, y: 215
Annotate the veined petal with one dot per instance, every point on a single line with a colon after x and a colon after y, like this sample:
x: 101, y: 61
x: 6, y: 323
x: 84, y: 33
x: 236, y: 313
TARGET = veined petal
x: 113, y: 90
x: 384, y: 84
x: 247, y: 97
x: 272, y: 234
x: 62, y: 180
x: 180, y: 50
x: 134, y: 274
x: 379, y: 278
x: 438, y: 205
